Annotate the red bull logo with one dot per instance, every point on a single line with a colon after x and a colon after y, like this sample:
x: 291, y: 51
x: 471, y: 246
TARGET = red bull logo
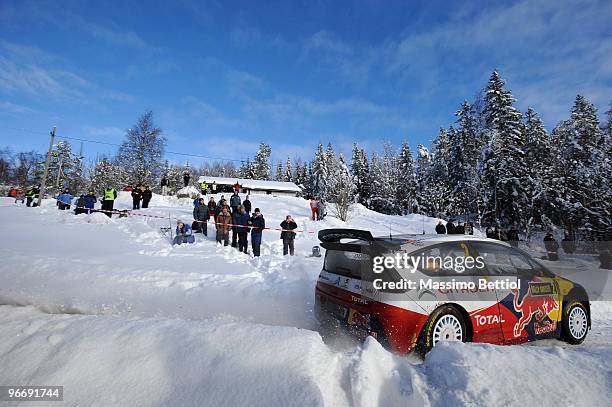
x: 539, y: 302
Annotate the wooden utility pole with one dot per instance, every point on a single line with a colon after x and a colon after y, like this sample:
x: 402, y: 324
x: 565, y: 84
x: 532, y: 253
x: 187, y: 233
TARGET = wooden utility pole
x: 43, y: 184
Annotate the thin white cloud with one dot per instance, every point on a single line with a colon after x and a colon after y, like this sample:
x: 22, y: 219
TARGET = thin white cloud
x: 98, y: 132
x: 13, y: 108
x: 19, y: 74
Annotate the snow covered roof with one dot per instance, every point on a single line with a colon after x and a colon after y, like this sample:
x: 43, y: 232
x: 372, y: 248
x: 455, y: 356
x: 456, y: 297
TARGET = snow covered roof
x: 252, y: 183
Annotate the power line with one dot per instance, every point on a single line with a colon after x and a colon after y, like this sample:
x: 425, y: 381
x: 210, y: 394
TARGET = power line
x: 119, y: 145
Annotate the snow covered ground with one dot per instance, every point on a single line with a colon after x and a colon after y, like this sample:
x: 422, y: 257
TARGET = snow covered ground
x: 115, y: 314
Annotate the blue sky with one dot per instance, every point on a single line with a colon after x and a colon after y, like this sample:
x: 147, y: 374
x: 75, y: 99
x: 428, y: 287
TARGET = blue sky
x: 223, y: 76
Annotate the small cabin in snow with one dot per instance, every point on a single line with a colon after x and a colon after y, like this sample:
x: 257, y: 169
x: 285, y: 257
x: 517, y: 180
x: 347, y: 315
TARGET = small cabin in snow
x: 251, y: 186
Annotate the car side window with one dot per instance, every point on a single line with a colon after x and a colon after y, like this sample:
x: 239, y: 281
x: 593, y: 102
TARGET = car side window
x: 448, y: 259
x: 503, y: 261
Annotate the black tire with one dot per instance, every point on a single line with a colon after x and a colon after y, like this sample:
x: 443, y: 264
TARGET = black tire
x: 575, y: 322
x: 426, y: 339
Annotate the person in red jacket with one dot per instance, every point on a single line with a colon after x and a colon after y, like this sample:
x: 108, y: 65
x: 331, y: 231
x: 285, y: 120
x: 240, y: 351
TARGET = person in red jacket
x: 313, y: 208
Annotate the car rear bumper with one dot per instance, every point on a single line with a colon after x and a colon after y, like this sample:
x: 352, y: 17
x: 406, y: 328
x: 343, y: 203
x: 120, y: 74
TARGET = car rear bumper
x: 394, y: 327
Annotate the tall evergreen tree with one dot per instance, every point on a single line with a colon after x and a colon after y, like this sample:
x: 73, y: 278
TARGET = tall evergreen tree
x: 320, y: 176
x: 288, y: 176
x: 504, y: 174
x: 360, y: 170
x: 406, y: 186
x: 262, y: 162
x: 280, y: 174
x: 538, y: 159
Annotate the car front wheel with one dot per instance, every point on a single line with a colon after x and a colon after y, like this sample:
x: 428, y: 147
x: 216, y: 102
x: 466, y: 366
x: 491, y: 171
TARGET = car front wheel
x: 575, y: 322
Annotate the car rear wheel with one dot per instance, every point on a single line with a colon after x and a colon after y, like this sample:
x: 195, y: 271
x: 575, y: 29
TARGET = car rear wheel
x: 444, y: 324
x: 575, y: 322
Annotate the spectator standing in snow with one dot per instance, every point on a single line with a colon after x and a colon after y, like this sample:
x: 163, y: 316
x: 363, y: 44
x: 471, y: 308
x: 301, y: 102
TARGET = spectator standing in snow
x: 223, y: 223
x: 222, y: 203
x: 204, y: 187
x: 64, y: 200
x: 459, y: 229
x: 313, y: 209
x: 469, y: 228
x: 90, y: 202
x: 440, y: 229
x: 147, y: 194
x: 110, y: 194
x: 20, y: 196
x: 242, y: 219
x: 288, y: 235
x: 186, y: 177
x: 212, y: 207
x: 136, y: 197
x: 237, y: 187
x: 235, y: 202
x: 551, y: 246
x: 604, y: 250
x: 513, y: 236
x: 213, y: 187
x: 247, y: 204
x: 183, y: 233
x: 79, y: 206
x: 201, y: 216
x: 568, y: 245
x: 450, y: 227
x: 164, y: 185
x: 321, y: 212
x: 29, y: 196
x: 259, y: 223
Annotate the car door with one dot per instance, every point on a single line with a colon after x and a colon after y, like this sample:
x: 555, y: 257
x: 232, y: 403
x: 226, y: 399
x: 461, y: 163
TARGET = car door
x: 480, y: 304
x: 528, y: 297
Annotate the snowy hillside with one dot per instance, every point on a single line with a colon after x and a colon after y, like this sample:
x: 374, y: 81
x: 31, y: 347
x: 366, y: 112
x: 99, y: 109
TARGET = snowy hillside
x: 100, y: 305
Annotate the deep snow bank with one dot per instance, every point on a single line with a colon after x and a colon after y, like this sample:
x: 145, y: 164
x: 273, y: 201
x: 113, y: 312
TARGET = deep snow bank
x: 109, y: 360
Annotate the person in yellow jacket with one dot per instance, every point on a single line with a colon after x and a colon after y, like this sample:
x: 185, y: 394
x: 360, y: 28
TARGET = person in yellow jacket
x: 110, y: 194
x: 204, y: 187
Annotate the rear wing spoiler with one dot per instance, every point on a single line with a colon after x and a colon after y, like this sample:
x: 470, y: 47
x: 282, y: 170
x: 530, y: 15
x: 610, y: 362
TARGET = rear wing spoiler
x: 330, y: 239
x: 335, y: 235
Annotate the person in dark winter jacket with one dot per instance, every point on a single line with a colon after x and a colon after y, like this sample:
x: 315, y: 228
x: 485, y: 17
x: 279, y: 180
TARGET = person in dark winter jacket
x: 604, y: 250
x: 259, y: 223
x: 247, y: 204
x: 513, y: 236
x: 136, y: 197
x: 164, y: 185
x: 183, y: 234
x: 147, y: 194
x: 90, y: 202
x: 201, y: 216
x: 489, y: 233
x: 469, y: 228
x: 186, y: 178
x: 241, y: 218
x: 552, y: 247
x: 459, y: 229
x: 64, y: 200
x: 450, y: 227
x: 568, y: 245
x: 235, y: 202
x: 440, y: 228
x: 212, y: 207
x: 223, y: 224
x: 222, y: 203
x: 79, y: 207
x: 288, y: 235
